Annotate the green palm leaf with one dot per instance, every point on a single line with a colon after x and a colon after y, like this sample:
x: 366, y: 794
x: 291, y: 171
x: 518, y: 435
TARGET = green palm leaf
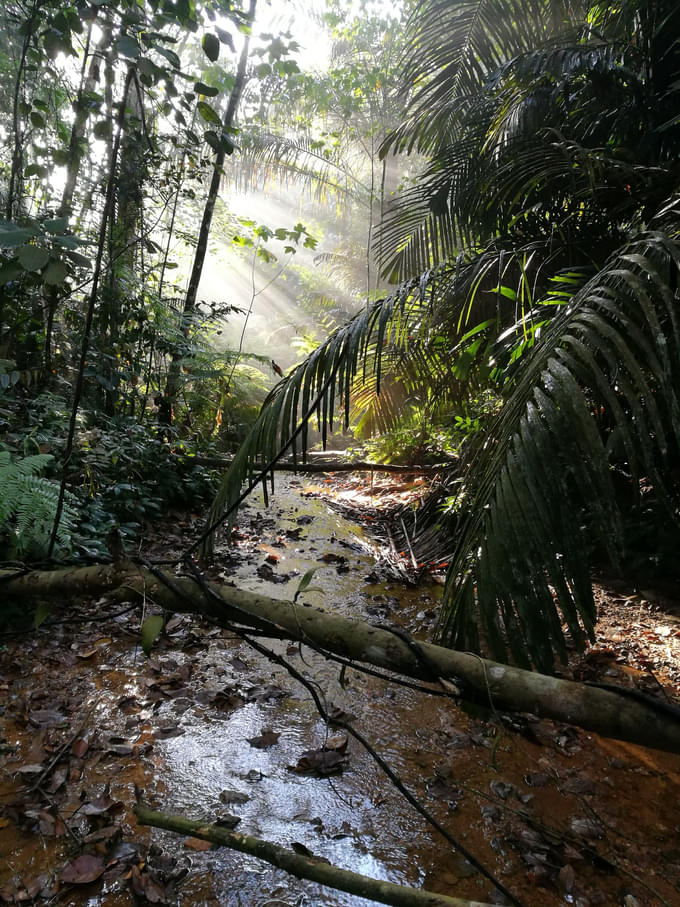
x: 321, y: 386
x: 543, y: 490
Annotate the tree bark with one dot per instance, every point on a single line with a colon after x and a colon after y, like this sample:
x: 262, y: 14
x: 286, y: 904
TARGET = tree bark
x: 611, y: 712
x: 303, y: 867
x: 172, y: 385
x: 332, y: 466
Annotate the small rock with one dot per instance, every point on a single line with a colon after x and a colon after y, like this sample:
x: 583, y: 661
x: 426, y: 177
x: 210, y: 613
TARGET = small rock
x: 233, y: 796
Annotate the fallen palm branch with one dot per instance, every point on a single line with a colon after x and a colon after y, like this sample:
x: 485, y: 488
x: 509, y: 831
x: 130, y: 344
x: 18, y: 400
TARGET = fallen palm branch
x: 609, y: 711
x: 302, y: 866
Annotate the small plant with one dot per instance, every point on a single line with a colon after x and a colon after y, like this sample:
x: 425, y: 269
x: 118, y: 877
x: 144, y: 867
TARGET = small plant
x: 28, y: 503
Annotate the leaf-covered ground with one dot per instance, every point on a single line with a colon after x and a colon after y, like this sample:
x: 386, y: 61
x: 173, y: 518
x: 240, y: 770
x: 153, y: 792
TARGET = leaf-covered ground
x: 208, y: 728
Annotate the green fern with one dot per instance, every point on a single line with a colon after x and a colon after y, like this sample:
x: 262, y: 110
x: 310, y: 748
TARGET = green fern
x: 28, y: 503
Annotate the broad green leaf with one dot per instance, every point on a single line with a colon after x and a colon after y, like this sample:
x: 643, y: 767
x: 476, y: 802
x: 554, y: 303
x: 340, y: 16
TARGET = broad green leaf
x: 212, y: 138
x: 10, y: 239
x: 33, y: 258
x: 207, y: 90
x: 127, y: 46
x: 37, y: 119
x: 56, y: 224
x: 211, y: 46
x: 36, y: 170
x: 42, y: 612
x: 208, y: 114
x: 147, y: 67
x: 70, y: 242
x: 78, y: 259
x: 225, y: 38
x: 219, y: 142
x: 170, y: 56
x: 55, y: 273
x: 10, y: 271
x: 150, y: 631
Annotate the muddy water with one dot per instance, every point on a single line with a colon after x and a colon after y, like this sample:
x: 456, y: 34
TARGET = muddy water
x: 353, y: 819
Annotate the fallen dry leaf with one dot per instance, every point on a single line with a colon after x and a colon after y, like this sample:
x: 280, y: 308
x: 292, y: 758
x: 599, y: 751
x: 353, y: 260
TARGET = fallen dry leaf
x: 100, y: 805
x: 197, y: 844
x: 321, y: 762
x: 266, y: 739
x: 47, y: 718
x: 85, y: 868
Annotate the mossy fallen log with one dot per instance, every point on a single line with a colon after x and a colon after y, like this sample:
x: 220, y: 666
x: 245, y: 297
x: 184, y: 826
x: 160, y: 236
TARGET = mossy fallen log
x: 301, y: 866
x: 618, y: 713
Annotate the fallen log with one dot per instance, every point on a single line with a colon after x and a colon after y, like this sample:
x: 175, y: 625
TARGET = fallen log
x: 327, y: 466
x: 611, y: 712
x: 301, y: 866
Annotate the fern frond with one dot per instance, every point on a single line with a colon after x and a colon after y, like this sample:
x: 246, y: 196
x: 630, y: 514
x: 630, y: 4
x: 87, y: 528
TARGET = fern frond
x: 28, y: 503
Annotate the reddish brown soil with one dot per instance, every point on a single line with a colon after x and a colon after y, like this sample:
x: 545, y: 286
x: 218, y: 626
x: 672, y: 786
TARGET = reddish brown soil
x: 559, y: 815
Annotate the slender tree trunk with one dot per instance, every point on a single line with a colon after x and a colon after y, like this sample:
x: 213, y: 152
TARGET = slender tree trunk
x: 172, y: 386
x: 14, y: 193
x: 122, y: 264
x: 179, y: 170
x: 89, y: 317
x: 87, y: 84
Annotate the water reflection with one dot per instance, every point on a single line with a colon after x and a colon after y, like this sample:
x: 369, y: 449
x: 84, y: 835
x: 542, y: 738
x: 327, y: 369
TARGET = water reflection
x: 356, y: 820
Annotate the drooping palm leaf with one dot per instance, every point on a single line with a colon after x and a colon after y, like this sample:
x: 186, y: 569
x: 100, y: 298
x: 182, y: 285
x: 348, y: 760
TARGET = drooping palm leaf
x: 506, y: 158
x: 543, y: 489
x: 299, y: 161
x: 322, y: 385
x: 455, y: 47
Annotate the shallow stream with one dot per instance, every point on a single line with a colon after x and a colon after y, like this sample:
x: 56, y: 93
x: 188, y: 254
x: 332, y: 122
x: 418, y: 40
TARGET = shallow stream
x: 354, y: 819
x: 208, y: 728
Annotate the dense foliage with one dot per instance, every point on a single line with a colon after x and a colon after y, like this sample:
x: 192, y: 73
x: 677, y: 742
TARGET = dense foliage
x: 538, y: 246
x: 513, y: 298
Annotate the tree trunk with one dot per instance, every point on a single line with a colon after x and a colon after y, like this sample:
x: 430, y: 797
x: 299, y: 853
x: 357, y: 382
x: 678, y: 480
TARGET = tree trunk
x: 172, y: 385
x: 303, y: 867
x: 91, y: 305
x: 76, y: 147
x: 332, y: 466
x: 618, y: 713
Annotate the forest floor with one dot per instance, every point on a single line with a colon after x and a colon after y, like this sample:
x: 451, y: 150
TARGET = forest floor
x: 207, y: 728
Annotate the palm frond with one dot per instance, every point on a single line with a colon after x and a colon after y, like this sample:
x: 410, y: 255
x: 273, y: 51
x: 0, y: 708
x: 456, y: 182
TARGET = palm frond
x: 545, y: 468
x: 459, y: 48
x: 299, y: 161
x: 417, y: 376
